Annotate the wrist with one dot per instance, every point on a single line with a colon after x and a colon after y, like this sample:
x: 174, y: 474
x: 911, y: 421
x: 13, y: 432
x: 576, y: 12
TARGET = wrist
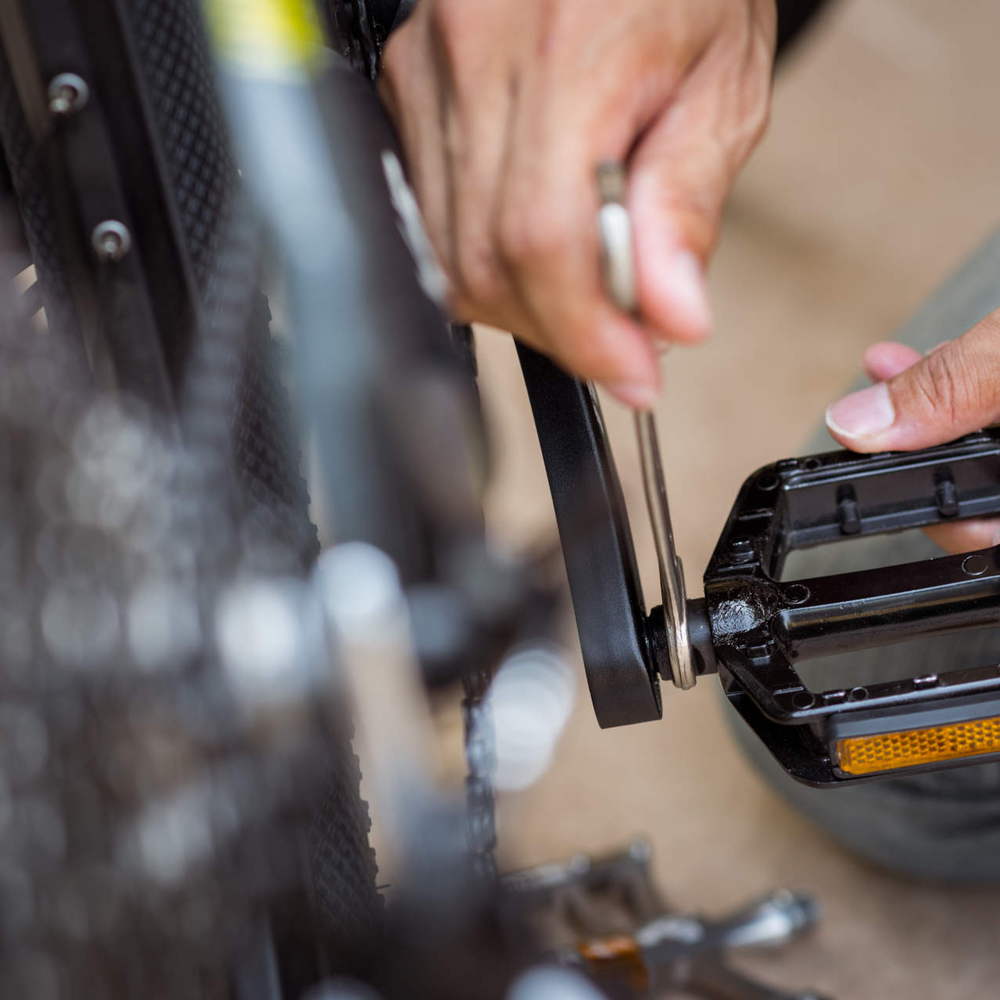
x: 358, y: 30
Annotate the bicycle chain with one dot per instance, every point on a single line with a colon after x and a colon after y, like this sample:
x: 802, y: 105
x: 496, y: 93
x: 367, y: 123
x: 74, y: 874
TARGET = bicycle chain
x: 480, y: 754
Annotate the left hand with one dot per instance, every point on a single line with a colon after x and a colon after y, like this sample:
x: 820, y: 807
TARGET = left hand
x: 920, y: 401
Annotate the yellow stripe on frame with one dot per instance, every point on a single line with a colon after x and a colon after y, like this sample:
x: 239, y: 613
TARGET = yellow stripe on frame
x: 271, y: 39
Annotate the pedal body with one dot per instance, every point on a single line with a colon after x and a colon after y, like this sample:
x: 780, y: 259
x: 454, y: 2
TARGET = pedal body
x: 762, y: 626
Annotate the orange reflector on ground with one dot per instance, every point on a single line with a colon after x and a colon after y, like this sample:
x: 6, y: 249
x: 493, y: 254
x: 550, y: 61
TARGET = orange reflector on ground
x: 910, y: 747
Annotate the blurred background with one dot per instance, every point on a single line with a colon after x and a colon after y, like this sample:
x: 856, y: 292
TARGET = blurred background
x: 878, y: 177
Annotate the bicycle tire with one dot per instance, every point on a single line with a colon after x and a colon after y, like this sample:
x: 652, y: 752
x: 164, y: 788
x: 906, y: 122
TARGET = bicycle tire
x: 234, y: 400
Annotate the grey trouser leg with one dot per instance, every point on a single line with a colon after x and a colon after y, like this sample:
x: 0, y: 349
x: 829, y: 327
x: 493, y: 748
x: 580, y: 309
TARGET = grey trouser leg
x: 944, y: 825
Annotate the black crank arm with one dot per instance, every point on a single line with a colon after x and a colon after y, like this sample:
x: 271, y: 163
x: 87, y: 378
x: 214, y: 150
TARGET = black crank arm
x: 597, y: 544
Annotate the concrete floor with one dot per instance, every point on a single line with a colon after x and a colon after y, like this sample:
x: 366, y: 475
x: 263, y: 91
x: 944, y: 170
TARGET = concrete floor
x: 878, y: 176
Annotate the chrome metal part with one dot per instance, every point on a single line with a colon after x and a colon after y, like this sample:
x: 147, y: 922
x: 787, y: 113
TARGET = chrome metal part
x: 67, y: 94
x: 682, y: 665
x: 605, y: 917
x: 111, y: 240
x: 615, y: 230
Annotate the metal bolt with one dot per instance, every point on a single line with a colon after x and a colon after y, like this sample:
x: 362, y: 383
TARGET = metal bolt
x: 111, y: 240
x: 68, y: 93
x: 975, y: 565
x: 804, y: 699
x: 797, y: 593
x: 741, y: 550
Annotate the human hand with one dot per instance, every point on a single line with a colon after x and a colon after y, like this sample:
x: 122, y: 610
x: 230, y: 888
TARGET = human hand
x: 918, y: 401
x: 504, y: 111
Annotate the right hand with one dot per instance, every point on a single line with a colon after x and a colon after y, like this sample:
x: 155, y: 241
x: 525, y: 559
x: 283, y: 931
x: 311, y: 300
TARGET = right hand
x: 504, y: 111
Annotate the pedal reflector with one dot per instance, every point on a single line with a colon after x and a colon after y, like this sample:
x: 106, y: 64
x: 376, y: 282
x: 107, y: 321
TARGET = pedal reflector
x: 911, y: 747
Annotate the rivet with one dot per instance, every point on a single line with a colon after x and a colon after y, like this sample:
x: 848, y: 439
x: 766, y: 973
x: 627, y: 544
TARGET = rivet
x: 804, y: 699
x: 111, y: 240
x: 741, y: 549
x: 67, y: 94
x: 975, y: 565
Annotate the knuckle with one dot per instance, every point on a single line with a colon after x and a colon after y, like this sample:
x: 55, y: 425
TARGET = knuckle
x: 461, y: 309
x: 477, y: 275
x: 700, y: 210
x: 752, y: 117
x: 589, y: 354
x: 394, y: 65
x: 445, y: 15
x: 452, y: 25
x: 758, y: 117
x: 534, y: 234
x: 397, y: 56
x: 944, y: 385
x: 590, y: 357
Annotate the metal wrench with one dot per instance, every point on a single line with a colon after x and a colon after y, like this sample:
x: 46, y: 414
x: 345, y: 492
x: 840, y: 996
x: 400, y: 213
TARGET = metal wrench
x: 617, y: 254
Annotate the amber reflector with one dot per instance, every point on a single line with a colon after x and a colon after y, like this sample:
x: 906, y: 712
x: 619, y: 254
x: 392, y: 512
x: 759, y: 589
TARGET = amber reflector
x: 910, y: 747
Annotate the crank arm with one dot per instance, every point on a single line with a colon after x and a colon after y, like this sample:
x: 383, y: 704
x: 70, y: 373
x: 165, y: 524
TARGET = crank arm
x: 625, y: 650
x: 619, y: 649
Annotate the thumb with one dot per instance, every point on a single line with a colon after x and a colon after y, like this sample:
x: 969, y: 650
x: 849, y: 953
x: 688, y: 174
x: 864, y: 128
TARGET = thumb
x: 953, y: 391
x: 677, y: 185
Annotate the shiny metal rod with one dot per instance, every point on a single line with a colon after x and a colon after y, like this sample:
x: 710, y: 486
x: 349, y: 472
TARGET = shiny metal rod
x: 617, y: 254
x: 682, y: 667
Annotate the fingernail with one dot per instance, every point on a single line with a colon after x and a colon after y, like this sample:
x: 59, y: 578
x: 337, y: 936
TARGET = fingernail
x: 638, y: 395
x: 683, y: 283
x: 862, y: 414
x: 996, y: 539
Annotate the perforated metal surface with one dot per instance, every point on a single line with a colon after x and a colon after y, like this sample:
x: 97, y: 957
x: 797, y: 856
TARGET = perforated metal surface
x: 233, y: 393
x: 34, y: 204
x: 235, y: 421
x: 142, y: 823
x: 175, y: 62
